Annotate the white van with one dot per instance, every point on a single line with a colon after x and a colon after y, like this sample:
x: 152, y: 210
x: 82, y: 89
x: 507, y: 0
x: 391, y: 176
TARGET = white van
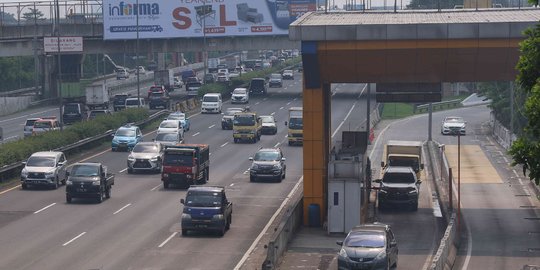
x: 134, y: 102
x: 211, y: 102
x: 121, y: 73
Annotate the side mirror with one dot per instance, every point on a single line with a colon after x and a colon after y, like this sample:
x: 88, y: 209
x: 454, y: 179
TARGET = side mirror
x: 103, y: 174
x: 61, y: 163
x: 393, y: 243
x: 250, y: 158
x: 377, y: 181
x: 182, y: 201
x: 24, y: 162
x: 283, y: 159
x: 112, y: 135
x: 67, y: 173
x: 339, y: 243
x: 382, y: 164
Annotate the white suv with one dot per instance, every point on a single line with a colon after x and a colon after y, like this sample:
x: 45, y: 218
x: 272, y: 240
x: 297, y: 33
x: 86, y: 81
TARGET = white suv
x: 211, y: 102
x: 44, y: 169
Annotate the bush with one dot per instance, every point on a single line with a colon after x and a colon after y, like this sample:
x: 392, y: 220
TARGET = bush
x: 20, y: 150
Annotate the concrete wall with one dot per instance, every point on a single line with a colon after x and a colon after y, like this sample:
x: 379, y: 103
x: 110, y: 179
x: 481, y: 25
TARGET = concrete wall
x: 9, y: 105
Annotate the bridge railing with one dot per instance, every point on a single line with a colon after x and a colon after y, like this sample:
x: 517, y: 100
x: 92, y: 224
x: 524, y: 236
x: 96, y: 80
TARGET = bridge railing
x: 44, y: 12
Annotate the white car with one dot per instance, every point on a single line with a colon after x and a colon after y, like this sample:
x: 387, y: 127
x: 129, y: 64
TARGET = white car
x: 288, y: 74
x: 240, y: 95
x: 171, y: 126
x: 178, y: 82
x: 453, y: 125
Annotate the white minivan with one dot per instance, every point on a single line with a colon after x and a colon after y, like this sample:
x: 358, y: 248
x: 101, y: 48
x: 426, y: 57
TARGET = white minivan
x: 211, y: 103
x: 134, y: 103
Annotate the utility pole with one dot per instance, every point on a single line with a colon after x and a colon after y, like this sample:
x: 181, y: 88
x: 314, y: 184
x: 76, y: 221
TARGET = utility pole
x: 205, y: 56
x: 137, y: 54
x: 59, y: 59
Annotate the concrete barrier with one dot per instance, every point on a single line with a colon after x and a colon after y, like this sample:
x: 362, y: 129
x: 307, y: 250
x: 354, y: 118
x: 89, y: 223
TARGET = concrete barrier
x: 9, y: 105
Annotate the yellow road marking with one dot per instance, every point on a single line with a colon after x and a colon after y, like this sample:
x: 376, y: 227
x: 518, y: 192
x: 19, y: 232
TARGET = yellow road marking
x: 475, y: 166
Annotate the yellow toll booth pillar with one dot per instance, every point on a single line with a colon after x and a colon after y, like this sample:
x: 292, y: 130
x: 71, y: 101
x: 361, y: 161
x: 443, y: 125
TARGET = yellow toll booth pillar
x: 317, y: 133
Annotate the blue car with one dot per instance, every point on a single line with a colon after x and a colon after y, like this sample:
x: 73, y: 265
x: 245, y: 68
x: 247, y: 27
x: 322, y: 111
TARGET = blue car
x: 182, y: 117
x: 126, y: 137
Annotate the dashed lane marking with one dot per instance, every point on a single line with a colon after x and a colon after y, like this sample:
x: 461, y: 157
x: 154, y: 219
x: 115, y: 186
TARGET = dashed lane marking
x: 44, y: 208
x: 195, y: 134
x: 119, y: 210
x: 167, y: 240
x: 73, y: 239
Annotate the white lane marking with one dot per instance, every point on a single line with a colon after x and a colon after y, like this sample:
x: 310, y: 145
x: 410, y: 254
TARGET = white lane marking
x: 11, y: 137
x: 343, y: 122
x: 257, y: 103
x: 273, y: 113
x: 167, y: 240
x: 279, y: 91
x: 196, y: 134
x: 281, y: 108
x: 44, y: 208
x: 277, y: 144
x: 26, y: 115
x: 265, y: 98
x: 505, y: 159
x: 294, y: 99
x: 224, y: 144
x: 75, y: 238
x: 154, y: 188
x: 232, y: 184
x: 93, y: 156
x: 286, y: 135
x: 256, y: 242
x: 211, y: 126
x: 436, y: 208
x: 118, y: 211
x: 210, y: 154
x: 289, y: 102
x: 10, y: 189
x: 121, y: 171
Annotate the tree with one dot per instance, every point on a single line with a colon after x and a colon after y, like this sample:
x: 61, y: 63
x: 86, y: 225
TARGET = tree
x: 433, y: 4
x: 526, y: 149
x: 7, y: 18
x: 499, y: 94
x: 33, y: 14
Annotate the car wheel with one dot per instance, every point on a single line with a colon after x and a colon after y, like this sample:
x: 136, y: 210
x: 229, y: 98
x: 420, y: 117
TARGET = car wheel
x: 221, y: 232
x: 228, y: 224
x: 100, y: 198
x: 130, y: 170
x: 113, y: 150
x: 68, y: 198
x: 24, y: 186
x: 290, y: 143
x: 184, y: 232
x: 284, y: 173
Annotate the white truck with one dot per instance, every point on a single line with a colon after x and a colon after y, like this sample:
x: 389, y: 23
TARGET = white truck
x: 403, y: 153
x: 213, y: 64
x: 164, y: 77
x: 97, y: 96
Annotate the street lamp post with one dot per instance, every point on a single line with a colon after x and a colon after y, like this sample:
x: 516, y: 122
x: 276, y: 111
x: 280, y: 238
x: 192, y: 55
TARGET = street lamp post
x: 59, y: 59
x: 137, y: 53
x: 205, y: 58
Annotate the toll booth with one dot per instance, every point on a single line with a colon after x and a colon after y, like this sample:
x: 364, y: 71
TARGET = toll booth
x: 348, y: 176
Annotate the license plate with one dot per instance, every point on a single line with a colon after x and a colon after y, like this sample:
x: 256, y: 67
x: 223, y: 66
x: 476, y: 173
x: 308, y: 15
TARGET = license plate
x: 202, y: 226
x: 81, y: 190
x: 244, y: 136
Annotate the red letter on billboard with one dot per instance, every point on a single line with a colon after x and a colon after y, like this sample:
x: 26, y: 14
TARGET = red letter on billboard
x: 183, y: 22
x: 223, y: 17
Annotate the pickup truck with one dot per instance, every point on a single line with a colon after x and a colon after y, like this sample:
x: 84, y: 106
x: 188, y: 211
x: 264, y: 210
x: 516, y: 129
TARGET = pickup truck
x: 89, y: 180
x: 206, y: 208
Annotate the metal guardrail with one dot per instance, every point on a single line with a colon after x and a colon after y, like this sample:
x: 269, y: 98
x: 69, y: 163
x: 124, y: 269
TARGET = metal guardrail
x: 454, y: 103
x: 9, y: 170
x: 21, y: 91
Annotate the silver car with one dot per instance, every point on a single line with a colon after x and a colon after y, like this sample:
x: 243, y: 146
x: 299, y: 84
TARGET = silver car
x: 169, y: 139
x: 368, y: 246
x: 44, y: 169
x: 145, y: 156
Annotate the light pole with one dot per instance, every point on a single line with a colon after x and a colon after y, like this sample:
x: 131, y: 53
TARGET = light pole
x: 137, y: 53
x: 205, y: 58
x: 59, y: 75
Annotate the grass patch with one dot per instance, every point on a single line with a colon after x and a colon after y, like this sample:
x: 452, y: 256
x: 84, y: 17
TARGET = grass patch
x: 397, y: 110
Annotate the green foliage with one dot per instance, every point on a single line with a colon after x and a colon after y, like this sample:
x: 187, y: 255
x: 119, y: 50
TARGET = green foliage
x: 12, y: 152
x: 397, y: 110
x: 17, y: 72
x: 526, y: 150
x: 33, y: 14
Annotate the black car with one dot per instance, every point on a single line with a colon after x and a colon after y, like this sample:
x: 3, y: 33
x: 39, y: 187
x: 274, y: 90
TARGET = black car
x: 119, y: 102
x: 206, y: 208
x: 257, y: 86
x: 368, y: 246
x: 73, y: 112
x: 399, y: 186
x: 268, y: 163
x: 159, y: 99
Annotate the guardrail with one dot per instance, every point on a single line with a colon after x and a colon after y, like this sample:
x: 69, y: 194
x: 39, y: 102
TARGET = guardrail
x: 11, y: 170
x: 21, y: 91
x: 454, y: 103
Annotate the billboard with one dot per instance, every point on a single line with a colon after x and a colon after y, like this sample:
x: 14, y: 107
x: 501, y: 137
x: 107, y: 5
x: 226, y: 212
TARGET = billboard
x: 187, y: 18
x: 67, y: 44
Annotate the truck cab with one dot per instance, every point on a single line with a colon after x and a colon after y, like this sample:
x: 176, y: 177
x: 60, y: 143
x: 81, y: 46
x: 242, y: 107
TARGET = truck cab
x: 206, y: 209
x: 73, y: 112
x: 295, y: 125
x: 89, y: 180
x: 247, y: 126
x: 185, y: 165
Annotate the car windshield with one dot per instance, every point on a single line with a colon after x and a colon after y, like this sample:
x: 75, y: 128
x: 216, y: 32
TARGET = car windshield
x: 203, y: 199
x: 210, y: 99
x: 132, y: 102
x: 232, y: 111
x: 275, y: 76
x: 30, y: 123
x: 266, y: 156
x: 287, y: 71
x: 403, y: 161
x: 239, y: 92
x: 157, y: 95
x: 156, y: 89
x: 44, y: 124
x: 454, y: 119
x: 296, y: 123
x: 71, y: 108
x: 168, y: 124
x: 125, y: 133
x: 244, y: 120
x: 176, y: 116
x: 85, y: 170
x: 178, y: 158
x: 40, y: 162
x: 166, y: 137
x: 145, y: 148
x: 398, y: 178
x: 267, y: 119
x: 365, y: 240
x: 257, y: 83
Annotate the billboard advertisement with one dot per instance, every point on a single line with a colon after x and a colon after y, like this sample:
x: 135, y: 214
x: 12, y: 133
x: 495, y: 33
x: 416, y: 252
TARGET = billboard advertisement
x: 67, y: 44
x: 188, y: 18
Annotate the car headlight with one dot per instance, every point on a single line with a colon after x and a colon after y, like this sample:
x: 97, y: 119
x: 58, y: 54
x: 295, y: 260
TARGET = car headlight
x: 254, y: 166
x: 218, y: 217
x: 154, y: 159
x: 236, y: 132
x: 24, y: 173
x: 276, y: 167
x: 343, y: 253
x: 115, y: 140
x: 252, y: 132
x: 49, y: 174
x: 131, y: 158
x: 383, y: 191
x: 413, y: 191
x: 95, y: 183
x: 69, y: 182
x: 186, y: 216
